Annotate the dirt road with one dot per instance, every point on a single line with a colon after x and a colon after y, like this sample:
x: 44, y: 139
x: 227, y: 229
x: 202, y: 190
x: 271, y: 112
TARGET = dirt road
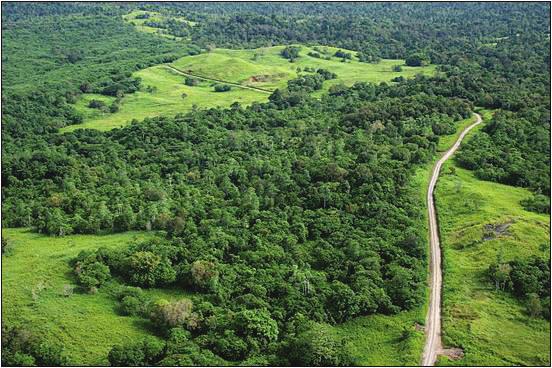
x: 433, y: 346
x: 182, y: 72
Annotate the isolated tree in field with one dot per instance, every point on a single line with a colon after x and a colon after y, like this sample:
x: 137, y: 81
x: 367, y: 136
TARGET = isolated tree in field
x: 222, y: 88
x: 397, y: 68
x: 290, y: 52
x: 534, y: 306
x: 96, y: 104
x: 189, y: 81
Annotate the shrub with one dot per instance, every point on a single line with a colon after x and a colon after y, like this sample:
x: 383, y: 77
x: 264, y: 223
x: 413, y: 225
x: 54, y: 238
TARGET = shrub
x: 189, y: 81
x: 96, y: 104
x: 538, y: 203
x: 222, y: 88
x: 290, y: 52
x: 91, y: 273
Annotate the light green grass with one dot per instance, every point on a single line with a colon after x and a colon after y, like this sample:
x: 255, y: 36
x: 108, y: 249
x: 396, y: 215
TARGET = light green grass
x: 167, y: 100
x: 86, y: 325
x: 376, y: 340
x: 239, y: 66
x: 236, y: 66
x: 154, y: 17
x: 492, y: 327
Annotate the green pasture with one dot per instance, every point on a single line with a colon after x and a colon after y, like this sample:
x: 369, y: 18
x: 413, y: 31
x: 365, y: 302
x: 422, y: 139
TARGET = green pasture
x: 262, y: 68
x: 34, y: 275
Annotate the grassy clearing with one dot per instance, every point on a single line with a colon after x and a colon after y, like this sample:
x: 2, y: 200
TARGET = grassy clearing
x: 376, y: 340
x: 492, y: 327
x: 86, y: 325
x: 266, y: 68
x: 166, y: 100
x: 263, y: 68
x: 153, y: 17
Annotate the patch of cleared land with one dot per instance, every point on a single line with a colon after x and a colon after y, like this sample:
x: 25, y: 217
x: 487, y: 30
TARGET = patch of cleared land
x: 140, y: 25
x: 262, y: 68
x: 491, y: 326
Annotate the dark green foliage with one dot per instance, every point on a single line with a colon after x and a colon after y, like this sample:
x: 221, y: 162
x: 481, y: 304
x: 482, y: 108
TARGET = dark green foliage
x: 538, y: 203
x: 21, y: 347
x: 397, y: 68
x: 222, y: 88
x: 512, y: 149
x: 326, y: 74
x: 290, y: 52
x: 90, y: 271
x: 416, y: 59
x: 189, y: 81
x: 134, y: 302
x: 96, y: 104
x: 137, y: 354
x: 529, y: 280
x: 343, y: 55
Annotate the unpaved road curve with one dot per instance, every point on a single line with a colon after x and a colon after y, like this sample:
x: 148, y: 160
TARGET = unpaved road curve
x: 182, y: 72
x: 433, y: 345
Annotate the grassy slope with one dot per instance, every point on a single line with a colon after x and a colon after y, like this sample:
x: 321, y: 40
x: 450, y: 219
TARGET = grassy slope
x: 154, y: 17
x: 492, y: 327
x: 87, y: 325
x: 167, y: 100
x: 235, y: 66
x: 239, y: 65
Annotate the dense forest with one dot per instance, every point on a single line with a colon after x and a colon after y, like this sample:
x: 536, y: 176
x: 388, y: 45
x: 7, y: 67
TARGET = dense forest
x: 281, y: 217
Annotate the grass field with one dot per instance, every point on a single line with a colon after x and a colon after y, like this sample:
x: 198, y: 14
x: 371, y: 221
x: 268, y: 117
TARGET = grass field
x: 153, y: 17
x: 267, y: 70
x: 492, y: 327
x: 166, y: 100
x: 87, y: 325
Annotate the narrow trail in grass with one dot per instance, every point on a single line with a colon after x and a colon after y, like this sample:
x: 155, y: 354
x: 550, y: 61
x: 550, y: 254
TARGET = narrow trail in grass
x: 433, y: 345
x: 217, y: 80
